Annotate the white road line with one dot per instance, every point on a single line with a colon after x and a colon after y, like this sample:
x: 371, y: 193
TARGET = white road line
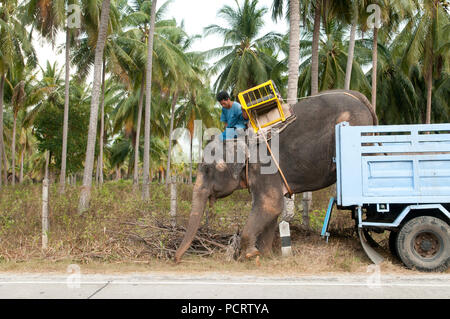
x: 202, y: 283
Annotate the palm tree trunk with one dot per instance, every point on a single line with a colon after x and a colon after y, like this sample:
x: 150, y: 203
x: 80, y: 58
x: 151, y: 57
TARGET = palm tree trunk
x: 315, y: 50
x: 117, y: 173
x: 2, y: 87
x: 374, y: 68
x: 102, y: 127
x: 92, y: 133
x: 293, y: 64
x: 96, y: 169
x: 138, y: 133
x: 351, y: 51
x: 148, y: 99
x: 172, y: 117
x: 13, y: 151
x: 294, y: 50
x: 429, y: 80
x: 190, y: 159
x: 5, y: 160
x: 307, y: 197
x: 62, y: 176
x: 21, y: 165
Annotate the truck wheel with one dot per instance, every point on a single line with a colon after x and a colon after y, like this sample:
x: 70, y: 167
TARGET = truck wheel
x: 393, y: 243
x: 424, y: 243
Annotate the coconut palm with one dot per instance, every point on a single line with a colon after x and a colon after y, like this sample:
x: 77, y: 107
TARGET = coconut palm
x: 294, y: 43
x: 198, y: 104
x: 148, y: 99
x: 49, y: 17
x: 89, y: 162
x: 20, y: 83
x: 404, y: 84
x: 293, y: 64
x: 169, y: 63
x: 429, y: 44
x: 315, y: 48
x: 333, y: 59
x: 243, y: 60
x: 16, y: 51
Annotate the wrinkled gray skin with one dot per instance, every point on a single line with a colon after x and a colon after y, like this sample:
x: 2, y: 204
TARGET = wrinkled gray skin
x: 307, y: 148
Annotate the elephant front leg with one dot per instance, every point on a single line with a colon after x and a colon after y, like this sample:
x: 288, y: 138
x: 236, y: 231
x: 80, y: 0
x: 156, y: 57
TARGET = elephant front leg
x: 260, y: 227
x: 265, y: 240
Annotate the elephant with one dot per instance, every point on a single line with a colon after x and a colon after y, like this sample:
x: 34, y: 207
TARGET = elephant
x: 306, y: 151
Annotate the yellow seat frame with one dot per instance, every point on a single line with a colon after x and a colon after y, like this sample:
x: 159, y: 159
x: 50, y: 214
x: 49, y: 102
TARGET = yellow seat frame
x: 258, y: 97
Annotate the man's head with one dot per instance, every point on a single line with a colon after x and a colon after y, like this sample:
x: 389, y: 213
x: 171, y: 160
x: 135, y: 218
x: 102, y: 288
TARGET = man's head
x: 224, y: 99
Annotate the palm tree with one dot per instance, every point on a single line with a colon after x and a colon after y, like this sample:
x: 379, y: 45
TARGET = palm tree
x: 429, y: 44
x: 48, y: 17
x: 89, y: 162
x: 244, y: 60
x: 403, y: 75
x: 21, y: 82
x: 18, y: 101
x: 197, y: 104
x: 148, y: 97
x: 187, y: 77
x: 315, y: 49
x: 351, y: 50
x: 293, y: 64
x: 333, y: 59
x: 16, y: 51
x: 294, y: 43
x: 167, y: 57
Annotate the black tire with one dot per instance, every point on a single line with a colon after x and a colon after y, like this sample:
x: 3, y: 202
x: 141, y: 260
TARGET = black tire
x: 393, y: 243
x: 424, y: 243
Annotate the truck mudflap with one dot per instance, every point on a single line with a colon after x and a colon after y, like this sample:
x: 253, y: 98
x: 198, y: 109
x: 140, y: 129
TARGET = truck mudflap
x: 370, y: 252
x: 366, y: 240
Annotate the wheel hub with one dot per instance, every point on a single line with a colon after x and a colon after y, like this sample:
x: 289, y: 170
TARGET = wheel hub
x: 426, y: 244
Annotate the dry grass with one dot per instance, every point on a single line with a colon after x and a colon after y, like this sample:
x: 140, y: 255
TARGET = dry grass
x: 100, y: 242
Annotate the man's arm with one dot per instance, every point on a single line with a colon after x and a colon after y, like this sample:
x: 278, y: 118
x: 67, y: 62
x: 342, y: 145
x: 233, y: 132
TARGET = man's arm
x: 244, y: 114
x: 225, y: 125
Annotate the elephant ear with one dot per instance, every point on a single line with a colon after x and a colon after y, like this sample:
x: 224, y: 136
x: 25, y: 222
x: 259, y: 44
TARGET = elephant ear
x: 240, y: 155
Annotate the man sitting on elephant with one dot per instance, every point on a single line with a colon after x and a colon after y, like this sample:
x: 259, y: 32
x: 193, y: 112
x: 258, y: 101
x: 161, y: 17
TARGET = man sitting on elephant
x: 233, y: 116
x: 306, y: 148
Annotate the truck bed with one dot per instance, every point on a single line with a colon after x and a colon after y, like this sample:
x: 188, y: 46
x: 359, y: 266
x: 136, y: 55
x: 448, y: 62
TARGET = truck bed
x: 407, y: 164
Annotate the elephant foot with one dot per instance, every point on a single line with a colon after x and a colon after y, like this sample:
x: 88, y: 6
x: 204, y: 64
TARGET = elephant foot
x: 252, y: 253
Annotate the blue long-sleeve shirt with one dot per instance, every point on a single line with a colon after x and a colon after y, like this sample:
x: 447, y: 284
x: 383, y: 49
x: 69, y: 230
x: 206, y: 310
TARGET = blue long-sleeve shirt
x: 233, y: 116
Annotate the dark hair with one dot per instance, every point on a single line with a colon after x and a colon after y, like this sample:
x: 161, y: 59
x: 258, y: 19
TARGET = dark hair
x: 222, y: 96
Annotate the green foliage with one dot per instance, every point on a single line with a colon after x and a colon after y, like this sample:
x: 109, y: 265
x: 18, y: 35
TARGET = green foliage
x: 49, y: 117
x: 246, y: 59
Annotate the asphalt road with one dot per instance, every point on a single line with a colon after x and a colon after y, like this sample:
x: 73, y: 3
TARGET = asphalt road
x: 372, y: 285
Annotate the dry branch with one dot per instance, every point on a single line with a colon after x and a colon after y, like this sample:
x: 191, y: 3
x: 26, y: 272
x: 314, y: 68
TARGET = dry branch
x: 162, y: 238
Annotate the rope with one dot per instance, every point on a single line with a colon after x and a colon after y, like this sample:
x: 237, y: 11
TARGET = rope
x: 322, y: 94
x: 275, y: 160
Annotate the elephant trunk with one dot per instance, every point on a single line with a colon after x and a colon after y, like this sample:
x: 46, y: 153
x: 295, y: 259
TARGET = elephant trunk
x: 199, y: 200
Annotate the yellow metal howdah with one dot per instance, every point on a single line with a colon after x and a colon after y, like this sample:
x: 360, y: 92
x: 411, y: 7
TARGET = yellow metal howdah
x: 260, y: 100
